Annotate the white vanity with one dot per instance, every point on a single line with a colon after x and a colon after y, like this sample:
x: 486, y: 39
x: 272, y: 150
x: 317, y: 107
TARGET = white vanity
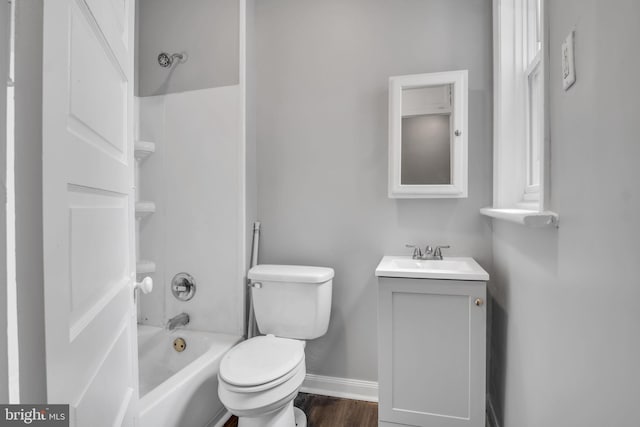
x: 431, y: 343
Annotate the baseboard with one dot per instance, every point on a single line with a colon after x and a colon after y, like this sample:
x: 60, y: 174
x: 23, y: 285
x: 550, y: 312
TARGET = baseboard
x: 491, y: 413
x: 341, y: 387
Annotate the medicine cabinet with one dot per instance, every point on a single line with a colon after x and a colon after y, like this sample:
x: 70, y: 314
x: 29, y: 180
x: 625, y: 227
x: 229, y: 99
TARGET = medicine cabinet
x: 428, y: 135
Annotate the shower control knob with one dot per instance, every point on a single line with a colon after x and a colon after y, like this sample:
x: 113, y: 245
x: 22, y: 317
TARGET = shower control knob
x: 183, y: 286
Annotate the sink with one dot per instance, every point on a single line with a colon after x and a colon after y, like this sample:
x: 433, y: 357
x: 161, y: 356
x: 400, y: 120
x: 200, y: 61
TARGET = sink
x: 451, y: 268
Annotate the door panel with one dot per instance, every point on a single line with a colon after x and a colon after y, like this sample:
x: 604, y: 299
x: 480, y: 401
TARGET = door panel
x: 112, y: 17
x: 91, y: 249
x: 441, y: 350
x: 88, y: 210
x: 114, y: 403
x: 431, y: 352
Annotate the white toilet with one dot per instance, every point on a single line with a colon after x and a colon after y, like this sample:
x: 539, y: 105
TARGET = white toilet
x: 260, y: 377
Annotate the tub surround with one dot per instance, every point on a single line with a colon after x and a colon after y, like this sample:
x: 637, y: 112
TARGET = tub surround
x: 196, y: 226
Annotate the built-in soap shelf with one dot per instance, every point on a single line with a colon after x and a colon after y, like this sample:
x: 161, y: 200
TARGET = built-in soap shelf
x: 144, y: 266
x: 144, y: 209
x: 144, y: 149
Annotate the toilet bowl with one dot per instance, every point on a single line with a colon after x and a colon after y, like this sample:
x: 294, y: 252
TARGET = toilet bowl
x: 260, y: 377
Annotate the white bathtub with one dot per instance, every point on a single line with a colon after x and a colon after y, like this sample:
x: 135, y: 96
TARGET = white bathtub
x: 180, y: 389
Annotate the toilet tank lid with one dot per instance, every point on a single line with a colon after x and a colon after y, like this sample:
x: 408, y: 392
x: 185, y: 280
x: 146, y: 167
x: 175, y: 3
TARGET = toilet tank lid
x: 290, y: 273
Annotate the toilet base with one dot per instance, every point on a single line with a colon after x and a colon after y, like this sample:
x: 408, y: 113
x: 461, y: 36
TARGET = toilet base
x: 300, y: 417
x: 287, y: 416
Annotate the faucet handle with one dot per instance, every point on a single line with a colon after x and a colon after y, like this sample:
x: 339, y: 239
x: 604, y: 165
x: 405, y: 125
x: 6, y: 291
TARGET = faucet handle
x: 417, y: 252
x: 438, y: 253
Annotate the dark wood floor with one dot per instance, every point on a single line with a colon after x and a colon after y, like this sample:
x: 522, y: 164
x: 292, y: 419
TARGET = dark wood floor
x: 324, y: 411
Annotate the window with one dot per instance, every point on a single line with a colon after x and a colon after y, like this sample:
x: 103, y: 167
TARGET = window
x: 534, y: 98
x: 520, y: 153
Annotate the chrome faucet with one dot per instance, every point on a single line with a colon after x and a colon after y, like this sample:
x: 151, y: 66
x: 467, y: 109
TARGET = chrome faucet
x: 437, y: 253
x: 429, y: 253
x: 181, y: 319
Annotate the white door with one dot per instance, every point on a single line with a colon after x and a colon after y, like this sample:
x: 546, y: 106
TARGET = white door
x: 88, y: 190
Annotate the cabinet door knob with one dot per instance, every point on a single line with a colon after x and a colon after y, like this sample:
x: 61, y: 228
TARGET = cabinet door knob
x: 478, y: 302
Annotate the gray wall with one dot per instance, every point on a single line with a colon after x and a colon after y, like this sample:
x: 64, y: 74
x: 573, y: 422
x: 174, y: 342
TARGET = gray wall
x: 4, y: 73
x: 566, y: 343
x: 28, y: 199
x: 251, y: 183
x: 322, y: 70
x: 206, y: 29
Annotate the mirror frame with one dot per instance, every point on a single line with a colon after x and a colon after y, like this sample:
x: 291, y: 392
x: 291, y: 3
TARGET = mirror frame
x: 459, y: 148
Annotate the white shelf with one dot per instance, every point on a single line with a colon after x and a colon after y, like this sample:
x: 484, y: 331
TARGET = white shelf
x: 145, y: 267
x: 144, y: 149
x: 526, y: 217
x: 144, y: 209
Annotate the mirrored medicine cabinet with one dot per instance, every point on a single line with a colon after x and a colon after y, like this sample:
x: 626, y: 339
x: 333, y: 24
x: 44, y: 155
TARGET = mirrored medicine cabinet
x: 428, y: 135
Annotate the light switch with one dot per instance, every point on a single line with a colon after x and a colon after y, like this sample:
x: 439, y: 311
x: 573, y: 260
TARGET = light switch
x: 568, y: 63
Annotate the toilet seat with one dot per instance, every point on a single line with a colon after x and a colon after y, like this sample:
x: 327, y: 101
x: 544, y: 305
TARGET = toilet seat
x: 264, y: 399
x: 266, y: 386
x: 261, y: 362
x: 261, y: 375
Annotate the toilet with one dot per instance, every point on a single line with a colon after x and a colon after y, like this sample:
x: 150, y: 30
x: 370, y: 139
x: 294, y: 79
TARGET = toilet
x: 260, y: 377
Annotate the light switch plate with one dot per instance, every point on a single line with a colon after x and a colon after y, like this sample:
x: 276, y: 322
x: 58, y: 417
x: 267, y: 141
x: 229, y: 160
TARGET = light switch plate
x: 568, y: 63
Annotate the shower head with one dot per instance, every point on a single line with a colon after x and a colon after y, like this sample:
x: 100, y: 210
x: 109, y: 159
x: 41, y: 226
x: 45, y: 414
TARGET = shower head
x: 165, y: 60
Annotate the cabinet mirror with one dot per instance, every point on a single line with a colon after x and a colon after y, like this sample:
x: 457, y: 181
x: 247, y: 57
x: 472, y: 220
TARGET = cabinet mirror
x: 428, y: 135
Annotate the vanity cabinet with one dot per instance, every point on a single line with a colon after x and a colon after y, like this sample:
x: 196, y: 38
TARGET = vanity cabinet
x: 431, y: 352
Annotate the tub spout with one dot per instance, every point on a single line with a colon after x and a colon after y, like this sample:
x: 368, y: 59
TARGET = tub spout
x: 180, y: 320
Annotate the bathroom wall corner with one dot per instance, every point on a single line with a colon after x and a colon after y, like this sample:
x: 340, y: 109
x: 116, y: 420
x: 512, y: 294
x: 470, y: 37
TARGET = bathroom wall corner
x: 28, y: 200
x: 4, y: 74
x: 251, y: 182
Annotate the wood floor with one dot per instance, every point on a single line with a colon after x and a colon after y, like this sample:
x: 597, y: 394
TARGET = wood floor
x: 324, y: 411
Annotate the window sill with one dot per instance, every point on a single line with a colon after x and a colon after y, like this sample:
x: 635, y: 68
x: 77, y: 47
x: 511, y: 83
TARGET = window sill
x: 530, y: 218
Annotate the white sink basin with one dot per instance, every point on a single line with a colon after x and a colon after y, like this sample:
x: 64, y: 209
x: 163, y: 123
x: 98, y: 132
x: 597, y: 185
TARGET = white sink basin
x: 451, y: 268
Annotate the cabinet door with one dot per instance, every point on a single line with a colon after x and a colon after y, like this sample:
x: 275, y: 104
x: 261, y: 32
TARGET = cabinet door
x: 432, y: 352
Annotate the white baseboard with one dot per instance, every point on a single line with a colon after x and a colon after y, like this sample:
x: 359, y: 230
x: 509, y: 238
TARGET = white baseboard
x: 491, y: 413
x: 341, y: 387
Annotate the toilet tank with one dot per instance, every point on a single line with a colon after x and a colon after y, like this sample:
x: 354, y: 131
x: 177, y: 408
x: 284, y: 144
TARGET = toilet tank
x: 292, y: 301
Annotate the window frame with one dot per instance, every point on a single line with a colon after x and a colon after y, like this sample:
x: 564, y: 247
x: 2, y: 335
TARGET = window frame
x: 532, y: 21
x: 534, y: 123
x: 516, y: 120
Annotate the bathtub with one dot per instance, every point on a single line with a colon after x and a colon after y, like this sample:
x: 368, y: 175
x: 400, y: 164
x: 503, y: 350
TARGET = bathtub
x: 180, y: 389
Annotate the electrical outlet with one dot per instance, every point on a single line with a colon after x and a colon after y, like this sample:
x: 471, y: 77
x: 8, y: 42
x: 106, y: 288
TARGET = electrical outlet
x: 568, y: 63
